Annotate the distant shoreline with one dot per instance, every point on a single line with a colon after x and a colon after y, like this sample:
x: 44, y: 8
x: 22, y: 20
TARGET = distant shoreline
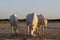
x: 25, y: 19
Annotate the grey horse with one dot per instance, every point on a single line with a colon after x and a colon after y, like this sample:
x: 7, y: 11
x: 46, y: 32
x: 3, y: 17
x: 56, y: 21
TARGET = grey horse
x: 14, y: 23
x: 32, y: 21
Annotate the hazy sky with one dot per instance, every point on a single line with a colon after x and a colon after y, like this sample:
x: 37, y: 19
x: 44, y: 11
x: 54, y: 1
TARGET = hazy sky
x: 49, y: 8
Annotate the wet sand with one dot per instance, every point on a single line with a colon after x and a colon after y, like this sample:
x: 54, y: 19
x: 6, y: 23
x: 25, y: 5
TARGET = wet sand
x: 52, y: 32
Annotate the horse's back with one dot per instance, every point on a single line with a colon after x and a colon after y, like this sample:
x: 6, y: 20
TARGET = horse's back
x: 29, y: 18
x: 13, y: 20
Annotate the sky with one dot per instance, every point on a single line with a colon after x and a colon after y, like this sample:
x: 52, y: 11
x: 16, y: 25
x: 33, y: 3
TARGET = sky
x: 49, y: 8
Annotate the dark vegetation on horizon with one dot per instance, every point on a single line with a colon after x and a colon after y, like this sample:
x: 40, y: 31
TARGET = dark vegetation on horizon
x: 25, y: 19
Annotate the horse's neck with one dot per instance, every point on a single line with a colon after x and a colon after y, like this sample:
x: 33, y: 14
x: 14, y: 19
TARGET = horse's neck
x: 35, y: 19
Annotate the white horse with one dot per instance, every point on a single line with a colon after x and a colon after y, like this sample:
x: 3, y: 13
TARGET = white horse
x: 42, y: 22
x: 32, y: 21
x: 14, y: 23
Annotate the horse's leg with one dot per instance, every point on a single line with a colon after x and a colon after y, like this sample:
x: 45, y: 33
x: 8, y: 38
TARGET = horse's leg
x: 37, y: 29
x: 40, y: 26
x: 42, y: 29
x: 12, y: 29
x: 33, y: 30
x: 29, y: 30
x: 17, y: 30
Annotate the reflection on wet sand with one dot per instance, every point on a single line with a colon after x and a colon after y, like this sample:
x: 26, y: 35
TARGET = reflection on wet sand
x: 51, y: 33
